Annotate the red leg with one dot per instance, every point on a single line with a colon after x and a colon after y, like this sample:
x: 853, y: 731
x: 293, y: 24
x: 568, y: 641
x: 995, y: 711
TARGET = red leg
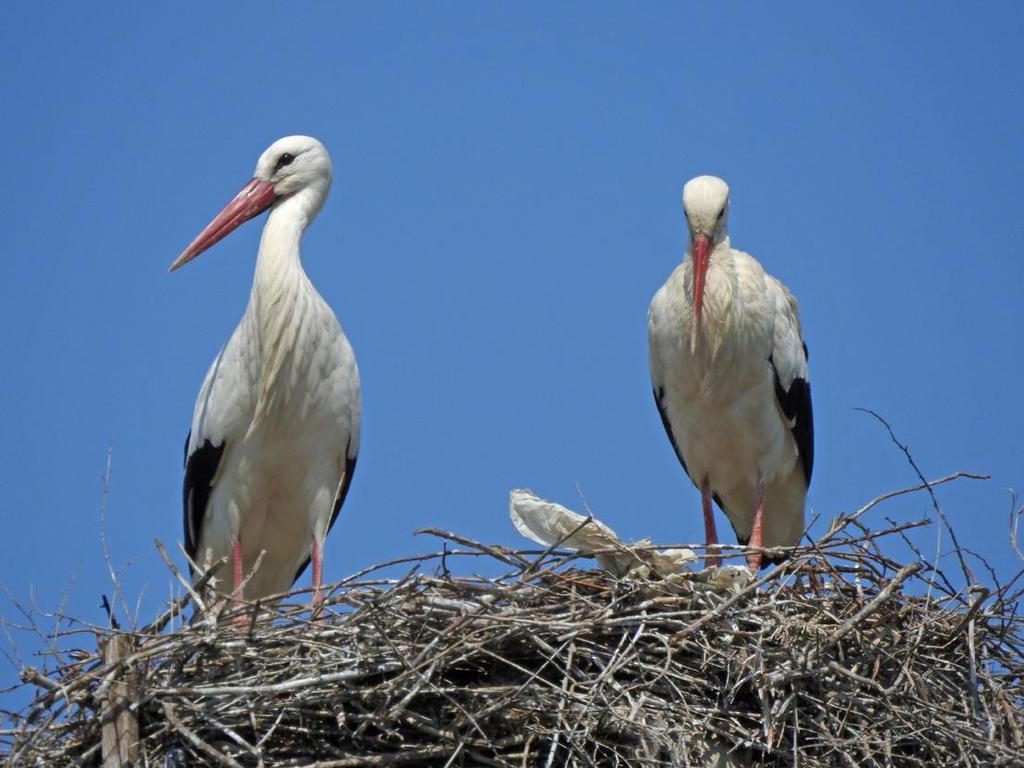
x: 710, y: 534
x: 756, y: 539
x: 318, y: 571
x: 236, y: 568
x: 236, y: 580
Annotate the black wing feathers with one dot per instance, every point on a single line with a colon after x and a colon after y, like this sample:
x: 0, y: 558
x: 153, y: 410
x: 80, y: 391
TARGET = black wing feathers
x: 659, y: 396
x: 350, y: 468
x: 200, y: 469
x: 796, y: 405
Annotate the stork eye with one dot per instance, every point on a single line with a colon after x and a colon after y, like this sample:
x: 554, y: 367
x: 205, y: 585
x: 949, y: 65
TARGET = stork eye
x: 283, y: 160
x: 721, y: 213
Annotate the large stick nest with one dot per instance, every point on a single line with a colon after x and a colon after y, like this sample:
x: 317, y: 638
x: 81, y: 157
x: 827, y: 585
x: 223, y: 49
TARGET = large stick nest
x: 841, y: 656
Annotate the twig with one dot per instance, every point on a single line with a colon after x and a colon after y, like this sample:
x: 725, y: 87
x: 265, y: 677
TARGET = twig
x: 968, y: 574
x: 104, y: 498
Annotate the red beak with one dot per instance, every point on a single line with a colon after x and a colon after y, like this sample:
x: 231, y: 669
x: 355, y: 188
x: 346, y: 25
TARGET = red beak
x: 253, y: 199
x: 701, y: 254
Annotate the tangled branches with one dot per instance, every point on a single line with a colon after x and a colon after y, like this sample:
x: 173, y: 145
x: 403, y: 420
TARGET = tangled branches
x: 842, y: 656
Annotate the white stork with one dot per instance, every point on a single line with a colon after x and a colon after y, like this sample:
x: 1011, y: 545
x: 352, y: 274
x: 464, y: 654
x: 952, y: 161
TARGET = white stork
x: 275, y: 431
x: 729, y: 370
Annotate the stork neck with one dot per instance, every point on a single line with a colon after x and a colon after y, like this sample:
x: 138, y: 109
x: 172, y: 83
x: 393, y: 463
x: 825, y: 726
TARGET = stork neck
x: 279, y: 245
x: 278, y: 287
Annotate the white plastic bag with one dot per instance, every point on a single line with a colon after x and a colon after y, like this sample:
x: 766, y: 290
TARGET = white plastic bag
x: 550, y: 524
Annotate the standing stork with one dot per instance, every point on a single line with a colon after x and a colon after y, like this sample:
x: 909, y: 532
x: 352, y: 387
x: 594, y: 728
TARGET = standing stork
x: 275, y: 431
x: 729, y: 370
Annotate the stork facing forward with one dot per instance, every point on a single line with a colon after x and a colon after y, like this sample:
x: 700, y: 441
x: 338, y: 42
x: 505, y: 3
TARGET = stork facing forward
x: 275, y: 431
x: 729, y: 370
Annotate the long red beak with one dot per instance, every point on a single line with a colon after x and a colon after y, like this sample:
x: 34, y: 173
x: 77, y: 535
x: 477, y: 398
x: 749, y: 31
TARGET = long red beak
x: 701, y: 255
x: 253, y: 199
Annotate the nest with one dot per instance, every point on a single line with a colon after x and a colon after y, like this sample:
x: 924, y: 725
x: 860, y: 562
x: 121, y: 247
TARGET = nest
x: 842, y: 656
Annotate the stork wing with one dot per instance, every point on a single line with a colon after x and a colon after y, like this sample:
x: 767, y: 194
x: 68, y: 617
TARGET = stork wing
x: 351, y: 454
x: 655, y: 343
x: 221, y: 416
x: 792, y: 382
x: 200, y: 468
x: 659, y: 400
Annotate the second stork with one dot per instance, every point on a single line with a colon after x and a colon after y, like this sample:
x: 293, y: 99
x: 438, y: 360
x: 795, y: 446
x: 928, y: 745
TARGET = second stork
x: 729, y: 370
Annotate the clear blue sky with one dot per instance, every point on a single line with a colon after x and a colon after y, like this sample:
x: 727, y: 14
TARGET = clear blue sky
x: 505, y: 204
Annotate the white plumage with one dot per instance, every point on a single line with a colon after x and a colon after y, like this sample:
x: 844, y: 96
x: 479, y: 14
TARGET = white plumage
x: 275, y: 431
x: 729, y: 371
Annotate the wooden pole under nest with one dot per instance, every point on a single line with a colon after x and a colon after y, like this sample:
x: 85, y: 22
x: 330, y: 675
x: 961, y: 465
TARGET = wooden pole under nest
x: 120, y: 737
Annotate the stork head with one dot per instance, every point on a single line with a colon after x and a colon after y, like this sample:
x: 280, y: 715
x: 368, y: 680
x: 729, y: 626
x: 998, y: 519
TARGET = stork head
x: 294, y: 164
x: 706, y: 207
x: 295, y: 167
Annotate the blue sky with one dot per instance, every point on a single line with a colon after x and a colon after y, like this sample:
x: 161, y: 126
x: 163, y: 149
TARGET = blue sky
x: 505, y: 204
